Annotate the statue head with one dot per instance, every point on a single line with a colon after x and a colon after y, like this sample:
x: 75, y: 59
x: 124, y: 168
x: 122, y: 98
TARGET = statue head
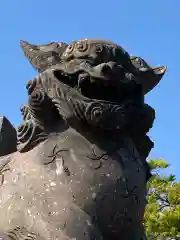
x: 93, y: 80
x: 100, y: 61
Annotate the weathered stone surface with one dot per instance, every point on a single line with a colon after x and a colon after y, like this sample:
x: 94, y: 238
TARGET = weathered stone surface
x: 68, y: 185
x: 80, y: 171
x: 8, y: 138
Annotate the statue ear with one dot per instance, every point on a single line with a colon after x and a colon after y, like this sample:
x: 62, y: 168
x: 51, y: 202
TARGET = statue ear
x: 148, y: 76
x: 45, y: 55
x: 154, y: 78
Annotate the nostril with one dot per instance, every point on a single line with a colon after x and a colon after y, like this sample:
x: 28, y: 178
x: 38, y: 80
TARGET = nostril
x: 112, y: 65
x: 106, y: 69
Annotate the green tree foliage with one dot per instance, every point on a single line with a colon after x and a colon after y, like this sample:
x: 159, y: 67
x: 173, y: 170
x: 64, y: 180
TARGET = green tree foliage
x: 162, y: 214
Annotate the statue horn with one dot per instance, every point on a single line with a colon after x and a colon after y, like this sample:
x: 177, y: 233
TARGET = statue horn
x: 43, y: 56
x: 31, y: 52
x: 148, y: 76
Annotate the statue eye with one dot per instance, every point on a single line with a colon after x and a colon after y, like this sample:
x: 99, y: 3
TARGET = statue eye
x: 139, y: 62
x: 119, y: 52
x: 82, y: 46
x: 121, y: 56
x: 99, y: 48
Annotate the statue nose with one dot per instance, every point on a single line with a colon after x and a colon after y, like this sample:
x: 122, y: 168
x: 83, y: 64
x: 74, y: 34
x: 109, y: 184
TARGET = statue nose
x: 106, y: 69
x: 111, y: 69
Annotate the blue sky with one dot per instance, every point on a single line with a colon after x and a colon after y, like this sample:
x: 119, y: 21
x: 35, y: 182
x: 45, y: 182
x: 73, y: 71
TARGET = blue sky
x: 150, y: 29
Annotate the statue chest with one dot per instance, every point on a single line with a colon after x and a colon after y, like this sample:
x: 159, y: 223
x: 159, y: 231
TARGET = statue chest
x: 68, y: 180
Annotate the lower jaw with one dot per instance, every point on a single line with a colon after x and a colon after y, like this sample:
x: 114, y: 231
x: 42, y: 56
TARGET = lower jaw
x: 98, y: 113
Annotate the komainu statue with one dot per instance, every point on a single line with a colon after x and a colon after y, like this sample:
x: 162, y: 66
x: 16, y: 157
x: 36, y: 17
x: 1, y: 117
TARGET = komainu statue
x: 80, y: 168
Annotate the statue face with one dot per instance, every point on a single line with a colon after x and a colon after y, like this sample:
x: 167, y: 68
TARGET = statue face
x: 98, y: 69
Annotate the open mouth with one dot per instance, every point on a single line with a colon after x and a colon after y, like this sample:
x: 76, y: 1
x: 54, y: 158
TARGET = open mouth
x: 96, y: 88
